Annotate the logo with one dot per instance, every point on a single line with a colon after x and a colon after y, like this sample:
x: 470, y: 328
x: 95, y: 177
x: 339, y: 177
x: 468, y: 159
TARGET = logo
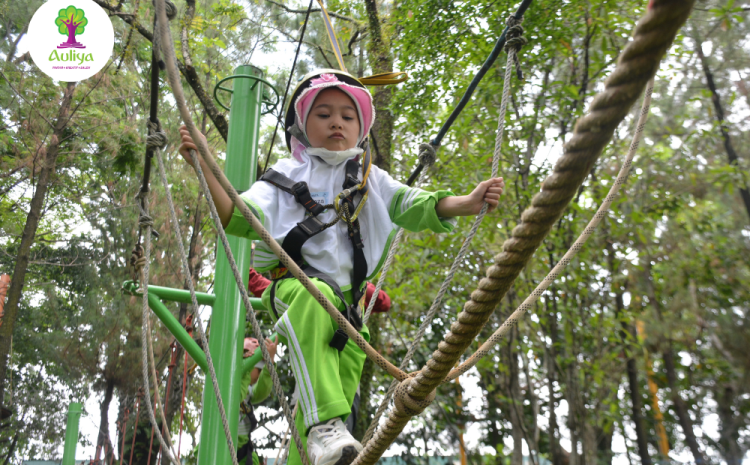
x: 87, y: 39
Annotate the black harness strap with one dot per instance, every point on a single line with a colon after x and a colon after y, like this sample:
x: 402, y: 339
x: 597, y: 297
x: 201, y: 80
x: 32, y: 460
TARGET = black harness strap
x: 311, y: 226
x: 299, y: 190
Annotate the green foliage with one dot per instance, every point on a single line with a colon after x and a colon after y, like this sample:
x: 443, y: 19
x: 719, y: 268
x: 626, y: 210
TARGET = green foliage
x: 70, y: 17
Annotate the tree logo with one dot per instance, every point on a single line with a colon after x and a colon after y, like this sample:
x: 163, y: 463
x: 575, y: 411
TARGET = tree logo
x: 71, y: 21
x: 88, y: 44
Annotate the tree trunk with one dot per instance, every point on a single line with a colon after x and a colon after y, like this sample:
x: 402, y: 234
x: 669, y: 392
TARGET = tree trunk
x: 29, y: 231
x: 381, y: 61
x: 494, y: 415
x: 637, y: 405
x: 14, y: 45
x: 729, y: 431
x: 103, y: 440
x: 716, y: 99
x: 681, y: 408
x: 627, y: 332
x: 604, y: 447
x: 553, y: 429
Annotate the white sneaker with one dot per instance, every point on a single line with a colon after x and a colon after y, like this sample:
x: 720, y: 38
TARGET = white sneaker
x: 331, y: 444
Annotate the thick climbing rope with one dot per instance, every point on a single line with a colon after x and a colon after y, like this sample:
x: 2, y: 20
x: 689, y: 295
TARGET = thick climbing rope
x: 250, y: 312
x: 514, y: 43
x: 637, y: 64
x: 157, y: 139
x: 502, y: 331
x: 257, y: 226
x: 180, y: 99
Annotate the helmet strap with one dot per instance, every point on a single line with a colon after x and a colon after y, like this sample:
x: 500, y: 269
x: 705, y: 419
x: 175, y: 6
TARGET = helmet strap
x: 296, y: 132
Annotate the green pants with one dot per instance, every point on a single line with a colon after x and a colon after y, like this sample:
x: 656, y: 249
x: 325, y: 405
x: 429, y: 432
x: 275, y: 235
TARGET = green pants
x: 327, y: 378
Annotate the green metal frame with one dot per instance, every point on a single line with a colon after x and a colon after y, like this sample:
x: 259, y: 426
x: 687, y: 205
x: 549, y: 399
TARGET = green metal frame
x: 155, y: 296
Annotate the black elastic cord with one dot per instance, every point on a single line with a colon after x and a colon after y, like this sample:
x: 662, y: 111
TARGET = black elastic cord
x: 472, y: 87
x: 288, y: 83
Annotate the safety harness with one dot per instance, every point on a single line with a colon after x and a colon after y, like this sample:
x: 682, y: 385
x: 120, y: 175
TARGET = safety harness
x: 311, y: 226
x: 246, y: 451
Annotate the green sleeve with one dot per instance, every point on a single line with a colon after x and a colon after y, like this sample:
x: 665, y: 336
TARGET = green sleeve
x: 262, y: 388
x: 414, y: 210
x: 238, y: 225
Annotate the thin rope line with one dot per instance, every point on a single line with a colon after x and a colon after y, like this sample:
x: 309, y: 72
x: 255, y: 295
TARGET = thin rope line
x: 145, y: 336
x: 485, y: 348
x: 195, y: 306
x: 461, y: 253
x: 249, y: 307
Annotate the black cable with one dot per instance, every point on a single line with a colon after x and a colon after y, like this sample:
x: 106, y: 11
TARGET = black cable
x: 472, y: 87
x: 288, y: 83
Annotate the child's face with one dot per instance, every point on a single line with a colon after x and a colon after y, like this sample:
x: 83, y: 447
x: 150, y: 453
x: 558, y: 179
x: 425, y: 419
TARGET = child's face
x: 333, y: 122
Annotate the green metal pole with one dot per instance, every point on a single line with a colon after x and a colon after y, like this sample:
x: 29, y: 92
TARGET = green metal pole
x: 71, y: 433
x: 181, y: 295
x: 228, y: 317
x: 178, y: 331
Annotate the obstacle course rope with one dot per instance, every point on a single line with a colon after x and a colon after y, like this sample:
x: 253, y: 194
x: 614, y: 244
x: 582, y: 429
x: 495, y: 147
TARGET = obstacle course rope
x: 180, y: 99
x: 513, y: 45
x: 145, y: 221
x: 636, y: 66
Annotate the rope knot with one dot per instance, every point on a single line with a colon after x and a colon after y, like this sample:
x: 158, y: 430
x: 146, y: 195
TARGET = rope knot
x: 171, y: 9
x: 157, y: 138
x: 427, y: 155
x: 514, y: 41
x: 137, y: 262
x: 407, y: 404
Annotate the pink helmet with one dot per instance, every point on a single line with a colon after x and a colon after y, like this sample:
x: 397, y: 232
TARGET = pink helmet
x: 304, y: 95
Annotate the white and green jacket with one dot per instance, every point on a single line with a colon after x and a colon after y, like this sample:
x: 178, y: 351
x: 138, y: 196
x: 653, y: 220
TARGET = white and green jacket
x: 390, y: 205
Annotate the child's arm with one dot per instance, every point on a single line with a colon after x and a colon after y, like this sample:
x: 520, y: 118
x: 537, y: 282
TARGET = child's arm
x: 224, y: 205
x: 486, y: 191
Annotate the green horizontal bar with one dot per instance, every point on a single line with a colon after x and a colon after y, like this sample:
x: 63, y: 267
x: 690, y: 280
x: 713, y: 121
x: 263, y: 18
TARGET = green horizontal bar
x: 183, y: 296
x: 176, y: 329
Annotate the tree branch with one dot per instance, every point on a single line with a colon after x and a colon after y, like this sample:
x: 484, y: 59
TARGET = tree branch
x: 331, y: 14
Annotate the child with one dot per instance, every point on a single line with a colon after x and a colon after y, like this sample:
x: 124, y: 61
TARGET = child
x: 328, y: 120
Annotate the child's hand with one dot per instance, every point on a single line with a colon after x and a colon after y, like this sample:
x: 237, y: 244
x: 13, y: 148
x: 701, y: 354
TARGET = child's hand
x: 187, y: 144
x: 271, y: 346
x: 466, y: 205
x: 486, y: 191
